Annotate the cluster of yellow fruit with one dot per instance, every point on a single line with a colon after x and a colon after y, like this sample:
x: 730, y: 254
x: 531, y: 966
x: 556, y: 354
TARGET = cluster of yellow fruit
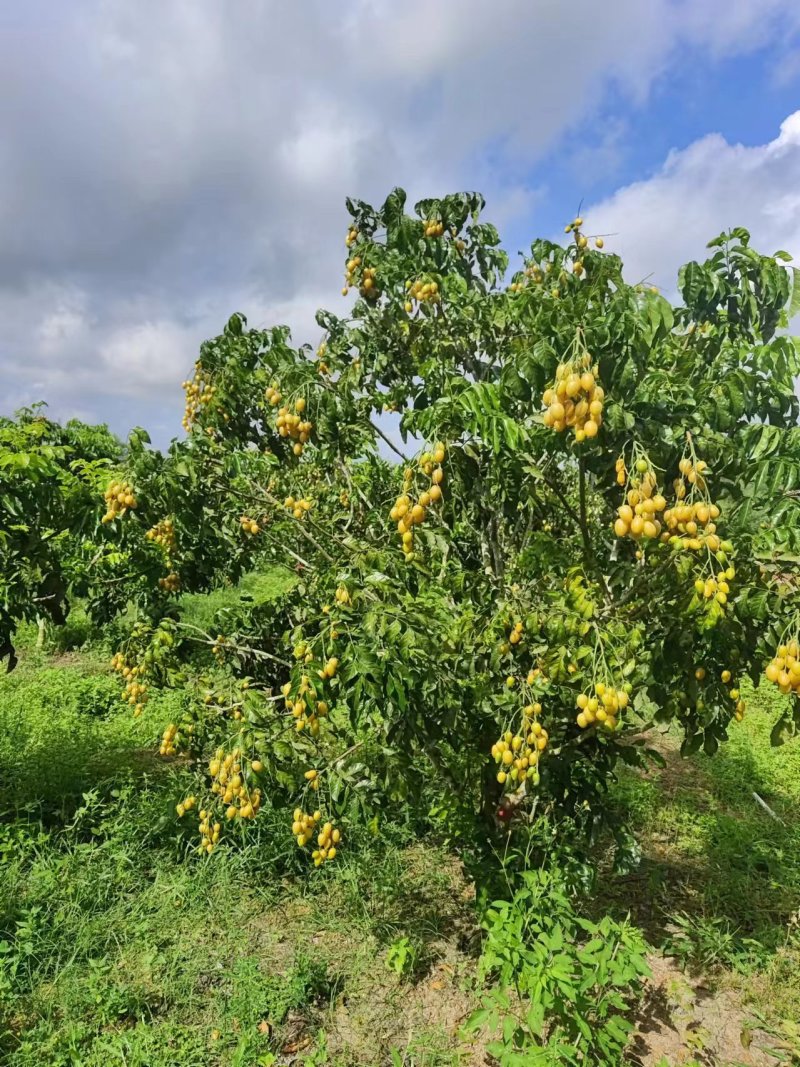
x: 171, y: 583
x: 298, y: 506
x: 716, y: 587
x: 163, y: 535
x: 273, y: 395
x: 135, y: 692
x: 351, y: 267
x: 694, y: 473
x: 695, y: 523
x: 303, y: 651
x: 304, y: 825
x: 304, y: 706
x: 229, y: 783
x: 639, y: 516
x: 199, y: 392
x: 343, y: 596
x: 352, y: 236
x: 518, y: 754
x: 169, y: 742
x: 327, y: 840
x: 119, y: 498
x: 516, y: 634
x: 249, y: 526
x: 575, y: 399
x: 405, y: 511
x: 209, y: 834
x: 726, y: 677
x: 434, y: 228
x: 622, y: 471
x: 603, y: 706
x: 186, y: 805
x: 784, y: 668
x: 291, y: 424
x: 423, y: 292
x: 218, y: 648
x: 330, y: 668
x: 367, y: 286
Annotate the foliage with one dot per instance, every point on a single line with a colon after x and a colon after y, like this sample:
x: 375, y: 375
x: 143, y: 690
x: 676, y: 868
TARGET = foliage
x: 559, y: 583
x: 114, y: 948
x: 564, y: 985
x: 48, y: 510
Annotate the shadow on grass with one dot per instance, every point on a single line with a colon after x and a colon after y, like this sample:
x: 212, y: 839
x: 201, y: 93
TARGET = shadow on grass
x: 719, y: 879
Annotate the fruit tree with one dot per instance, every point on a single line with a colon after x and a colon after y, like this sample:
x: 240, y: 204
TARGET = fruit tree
x: 591, y: 527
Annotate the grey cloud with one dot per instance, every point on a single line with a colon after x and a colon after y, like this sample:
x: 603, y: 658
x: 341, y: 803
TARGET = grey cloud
x: 166, y: 162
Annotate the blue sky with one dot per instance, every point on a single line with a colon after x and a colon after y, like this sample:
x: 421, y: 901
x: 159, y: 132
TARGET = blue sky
x: 167, y: 162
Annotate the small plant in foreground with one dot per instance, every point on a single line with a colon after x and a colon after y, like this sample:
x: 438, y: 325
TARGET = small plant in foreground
x: 563, y: 985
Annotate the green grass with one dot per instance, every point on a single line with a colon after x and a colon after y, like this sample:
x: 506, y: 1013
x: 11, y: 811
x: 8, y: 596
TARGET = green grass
x: 719, y: 885
x: 118, y: 946
x: 200, y: 609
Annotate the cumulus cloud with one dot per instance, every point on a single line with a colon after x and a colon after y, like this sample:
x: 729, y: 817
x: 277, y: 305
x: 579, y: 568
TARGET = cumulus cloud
x: 166, y: 162
x: 660, y: 223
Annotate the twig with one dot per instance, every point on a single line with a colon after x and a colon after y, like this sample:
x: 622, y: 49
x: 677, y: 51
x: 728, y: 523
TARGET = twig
x: 767, y: 808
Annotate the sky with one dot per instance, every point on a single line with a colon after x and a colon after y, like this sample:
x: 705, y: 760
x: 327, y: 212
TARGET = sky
x: 167, y: 162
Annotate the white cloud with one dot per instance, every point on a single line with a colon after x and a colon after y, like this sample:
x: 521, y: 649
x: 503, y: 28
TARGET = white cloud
x: 166, y: 162
x: 710, y: 186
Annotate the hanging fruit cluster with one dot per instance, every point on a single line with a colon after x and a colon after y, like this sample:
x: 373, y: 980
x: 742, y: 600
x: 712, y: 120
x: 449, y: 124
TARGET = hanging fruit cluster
x: 434, y: 228
x: 229, y: 782
x: 249, y: 526
x: 273, y: 394
x: 186, y: 805
x: 343, y: 596
x: 298, y: 505
x: 293, y: 425
x: 169, y: 743
x: 303, y: 825
x: 351, y: 267
x: 408, y: 513
x: 639, y: 516
x: 602, y: 706
x: 352, y: 236
x: 784, y: 668
x: 423, y: 293
x: 715, y: 587
x: 171, y: 583
x: 518, y: 754
x: 163, y: 535
x: 304, y: 705
x: 218, y: 648
x: 135, y: 692
x: 327, y: 841
x: 622, y: 471
x: 739, y: 705
x: 694, y: 523
x: 330, y: 668
x: 119, y: 498
x: 575, y: 398
x: 199, y: 392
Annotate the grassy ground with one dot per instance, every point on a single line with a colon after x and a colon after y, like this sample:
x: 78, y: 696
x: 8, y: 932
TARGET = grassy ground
x: 117, y: 947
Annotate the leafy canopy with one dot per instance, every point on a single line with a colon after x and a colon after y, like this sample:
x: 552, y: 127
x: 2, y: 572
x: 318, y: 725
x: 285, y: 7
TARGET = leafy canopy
x: 589, y: 528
